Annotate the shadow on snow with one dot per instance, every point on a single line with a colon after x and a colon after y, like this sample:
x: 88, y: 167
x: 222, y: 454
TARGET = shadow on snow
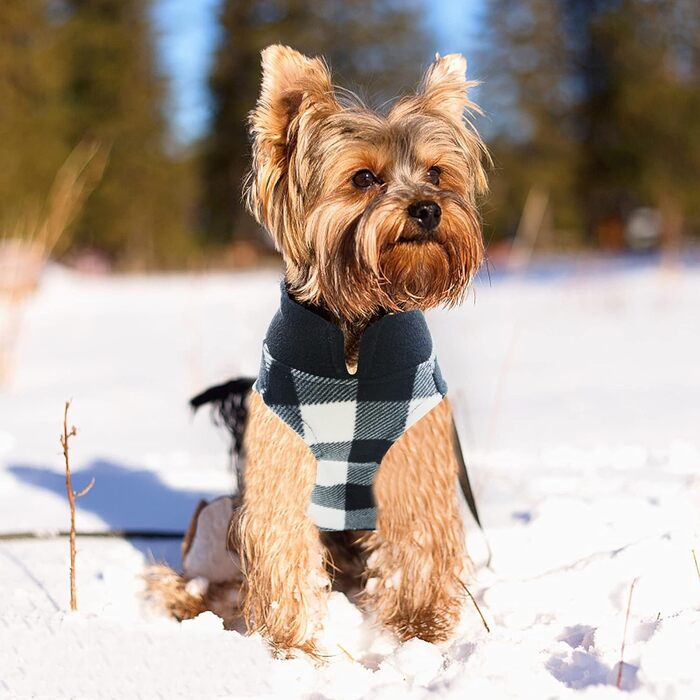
x: 125, y: 499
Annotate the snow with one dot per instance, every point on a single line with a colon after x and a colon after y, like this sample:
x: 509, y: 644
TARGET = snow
x: 576, y: 389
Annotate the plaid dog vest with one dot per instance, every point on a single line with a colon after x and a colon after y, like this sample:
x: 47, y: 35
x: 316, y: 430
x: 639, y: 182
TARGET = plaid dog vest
x: 349, y: 421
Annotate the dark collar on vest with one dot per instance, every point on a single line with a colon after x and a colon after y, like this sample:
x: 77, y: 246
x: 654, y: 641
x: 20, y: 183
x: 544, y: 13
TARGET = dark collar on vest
x: 300, y: 337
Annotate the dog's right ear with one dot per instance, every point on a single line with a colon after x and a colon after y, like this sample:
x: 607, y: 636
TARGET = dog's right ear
x: 291, y: 84
x: 293, y: 88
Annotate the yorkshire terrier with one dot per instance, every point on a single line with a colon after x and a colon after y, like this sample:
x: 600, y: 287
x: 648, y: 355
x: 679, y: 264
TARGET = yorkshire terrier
x: 376, y: 217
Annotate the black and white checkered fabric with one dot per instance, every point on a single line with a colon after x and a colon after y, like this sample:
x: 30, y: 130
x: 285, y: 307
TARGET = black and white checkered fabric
x: 349, y: 423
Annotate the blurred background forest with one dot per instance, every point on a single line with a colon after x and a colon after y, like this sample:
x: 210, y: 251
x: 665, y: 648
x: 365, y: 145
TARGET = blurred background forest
x: 591, y: 114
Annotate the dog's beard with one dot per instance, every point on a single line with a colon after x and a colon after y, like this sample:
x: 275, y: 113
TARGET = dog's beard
x: 379, y: 260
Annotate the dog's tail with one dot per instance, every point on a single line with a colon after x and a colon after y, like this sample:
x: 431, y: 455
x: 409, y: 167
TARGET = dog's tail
x: 229, y: 408
x: 466, y: 487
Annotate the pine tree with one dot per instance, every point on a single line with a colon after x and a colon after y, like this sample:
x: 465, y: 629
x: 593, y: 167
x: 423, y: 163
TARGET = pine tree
x: 529, y: 95
x: 32, y: 143
x: 642, y: 135
x: 594, y: 101
x: 116, y: 96
x: 376, y: 44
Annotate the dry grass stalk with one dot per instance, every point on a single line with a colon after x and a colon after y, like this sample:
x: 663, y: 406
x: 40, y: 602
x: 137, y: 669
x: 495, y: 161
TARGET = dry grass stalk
x: 26, y: 247
x: 624, y: 636
x: 35, y: 236
x: 478, y: 609
x: 532, y: 221
x: 346, y: 652
x: 74, y: 182
x: 72, y: 495
x: 697, y: 567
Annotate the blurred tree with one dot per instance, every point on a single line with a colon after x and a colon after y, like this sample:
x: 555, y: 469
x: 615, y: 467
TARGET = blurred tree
x: 640, y: 126
x: 378, y: 44
x: 593, y: 101
x: 31, y: 112
x: 138, y: 214
x: 530, y: 93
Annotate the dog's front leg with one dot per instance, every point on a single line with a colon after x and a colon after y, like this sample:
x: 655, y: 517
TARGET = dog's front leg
x: 418, y: 557
x: 286, y: 584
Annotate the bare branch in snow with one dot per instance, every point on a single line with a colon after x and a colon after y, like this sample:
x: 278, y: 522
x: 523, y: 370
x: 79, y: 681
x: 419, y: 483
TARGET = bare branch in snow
x: 72, y: 495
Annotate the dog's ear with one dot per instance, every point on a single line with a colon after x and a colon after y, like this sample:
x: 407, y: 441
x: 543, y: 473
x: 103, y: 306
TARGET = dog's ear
x: 444, y: 86
x: 293, y: 88
x: 291, y: 84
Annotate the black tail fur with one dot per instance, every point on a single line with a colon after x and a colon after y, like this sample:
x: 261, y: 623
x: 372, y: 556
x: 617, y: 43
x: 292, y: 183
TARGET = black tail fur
x: 229, y: 408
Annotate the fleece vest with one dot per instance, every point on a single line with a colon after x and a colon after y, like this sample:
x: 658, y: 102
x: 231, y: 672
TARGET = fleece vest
x: 349, y: 421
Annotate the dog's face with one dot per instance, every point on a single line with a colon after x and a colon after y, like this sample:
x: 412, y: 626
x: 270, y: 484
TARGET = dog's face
x: 371, y: 212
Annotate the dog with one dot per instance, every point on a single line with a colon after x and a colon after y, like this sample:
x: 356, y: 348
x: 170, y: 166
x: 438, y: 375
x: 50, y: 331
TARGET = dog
x: 376, y: 217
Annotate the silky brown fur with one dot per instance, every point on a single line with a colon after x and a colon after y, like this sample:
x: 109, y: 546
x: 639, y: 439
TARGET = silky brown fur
x: 283, y: 562
x: 355, y: 254
x: 350, y: 251
x: 418, y: 558
x: 415, y: 560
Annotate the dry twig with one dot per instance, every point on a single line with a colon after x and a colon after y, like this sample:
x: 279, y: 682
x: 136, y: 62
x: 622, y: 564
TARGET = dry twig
x: 697, y: 567
x: 346, y: 652
x: 478, y: 609
x: 72, y: 495
x: 624, y: 636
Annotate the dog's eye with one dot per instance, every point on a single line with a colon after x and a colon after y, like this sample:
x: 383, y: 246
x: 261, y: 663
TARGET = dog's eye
x: 434, y: 175
x: 364, y: 179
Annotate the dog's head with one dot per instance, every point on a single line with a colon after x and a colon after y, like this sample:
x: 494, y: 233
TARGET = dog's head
x: 372, y: 212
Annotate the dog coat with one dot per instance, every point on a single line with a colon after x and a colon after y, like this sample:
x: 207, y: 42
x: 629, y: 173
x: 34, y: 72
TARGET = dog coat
x: 349, y: 421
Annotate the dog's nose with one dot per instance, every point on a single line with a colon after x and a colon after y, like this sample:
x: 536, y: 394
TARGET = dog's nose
x: 426, y: 213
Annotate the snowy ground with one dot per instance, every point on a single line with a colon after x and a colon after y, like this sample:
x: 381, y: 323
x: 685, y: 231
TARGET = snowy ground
x: 577, y: 390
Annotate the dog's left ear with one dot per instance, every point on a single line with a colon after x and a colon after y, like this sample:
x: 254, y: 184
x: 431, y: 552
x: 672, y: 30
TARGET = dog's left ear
x: 444, y: 86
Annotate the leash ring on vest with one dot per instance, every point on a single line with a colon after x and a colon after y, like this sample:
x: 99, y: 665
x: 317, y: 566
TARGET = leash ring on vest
x: 349, y: 421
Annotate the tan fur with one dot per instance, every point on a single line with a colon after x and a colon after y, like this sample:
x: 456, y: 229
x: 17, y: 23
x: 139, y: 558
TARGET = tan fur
x: 418, y: 557
x: 356, y: 254
x: 282, y: 559
x: 174, y: 593
x: 347, y: 250
x: 168, y: 590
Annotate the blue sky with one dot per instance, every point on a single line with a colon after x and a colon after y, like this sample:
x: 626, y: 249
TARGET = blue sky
x: 187, y: 36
